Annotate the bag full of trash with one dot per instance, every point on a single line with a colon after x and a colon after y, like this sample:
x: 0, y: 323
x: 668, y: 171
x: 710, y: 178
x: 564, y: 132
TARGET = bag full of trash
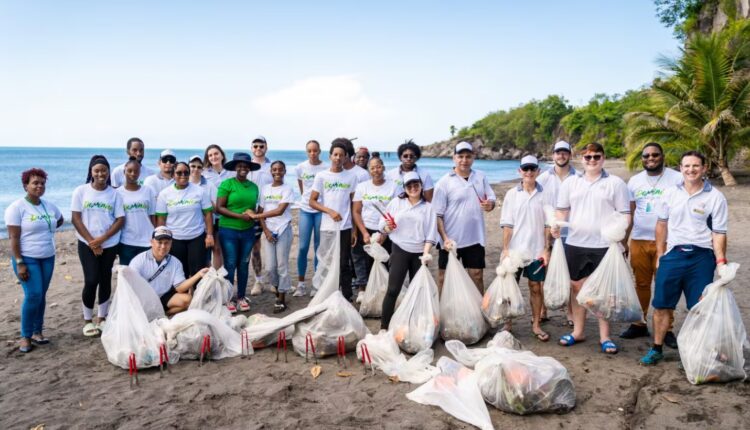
x: 416, y: 322
x: 460, y: 305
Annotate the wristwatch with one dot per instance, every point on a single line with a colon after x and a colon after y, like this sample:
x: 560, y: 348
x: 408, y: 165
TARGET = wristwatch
x: 20, y: 261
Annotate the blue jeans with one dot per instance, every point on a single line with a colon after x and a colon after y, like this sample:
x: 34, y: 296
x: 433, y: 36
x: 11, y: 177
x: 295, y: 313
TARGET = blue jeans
x: 34, y: 293
x: 235, y: 247
x: 277, y: 260
x: 309, y: 224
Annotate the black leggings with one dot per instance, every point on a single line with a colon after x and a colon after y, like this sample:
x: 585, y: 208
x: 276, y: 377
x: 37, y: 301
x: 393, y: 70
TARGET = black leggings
x: 401, y: 263
x: 97, y: 271
x: 386, y: 244
x: 345, y: 259
x: 191, y: 253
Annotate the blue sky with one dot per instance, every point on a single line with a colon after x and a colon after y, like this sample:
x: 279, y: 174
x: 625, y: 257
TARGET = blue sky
x: 187, y: 74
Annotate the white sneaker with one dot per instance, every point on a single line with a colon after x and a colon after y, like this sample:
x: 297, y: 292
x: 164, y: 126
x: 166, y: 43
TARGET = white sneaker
x: 313, y: 290
x: 257, y: 289
x: 269, y: 288
x: 300, y: 291
x: 292, y: 289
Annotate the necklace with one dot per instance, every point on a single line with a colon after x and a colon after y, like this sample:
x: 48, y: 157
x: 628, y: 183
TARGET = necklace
x: 653, y: 185
x: 45, y: 217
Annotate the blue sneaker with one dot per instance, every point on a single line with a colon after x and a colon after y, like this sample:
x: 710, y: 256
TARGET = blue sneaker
x: 652, y: 357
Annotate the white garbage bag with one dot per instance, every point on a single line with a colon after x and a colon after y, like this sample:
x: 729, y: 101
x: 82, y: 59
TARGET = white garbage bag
x: 460, y: 305
x: 503, y: 299
x: 455, y: 390
x: 270, y: 338
x: 609, y: 292
x: 128, y: 330
x: 386, y: 356
x: 212, y: 294
x: 186, y: 330
x: 416, y: 322
x: 470, y: 357
x: 326, y: 278
x: 371, y: 299
x: 557, y: 279
x: 711, y: 338
x: 238, y: 322
x: 522, y: 383
x: 270, y: 327
x: 339, y: 319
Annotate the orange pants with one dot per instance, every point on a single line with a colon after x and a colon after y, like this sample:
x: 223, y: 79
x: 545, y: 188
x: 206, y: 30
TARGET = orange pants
x: 643, y: 261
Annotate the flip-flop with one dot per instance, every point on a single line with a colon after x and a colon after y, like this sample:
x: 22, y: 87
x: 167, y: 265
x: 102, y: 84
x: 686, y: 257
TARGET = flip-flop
x: 608, y: 344
x: 569, y: 340
x: 90, y: 330
x: 541, y: 337
x: 41, y: 341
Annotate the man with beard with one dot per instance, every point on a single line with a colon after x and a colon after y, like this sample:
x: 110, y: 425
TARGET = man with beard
x: 646, y: 190
x: 135, y: 149
x: 165, y: 176
x: 261, y: 178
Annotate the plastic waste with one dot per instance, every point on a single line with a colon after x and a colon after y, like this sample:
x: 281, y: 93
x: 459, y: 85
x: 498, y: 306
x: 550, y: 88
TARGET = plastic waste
x: 416, y: 322
x: 186, y: 330
x: 339, y: 319
x: 212, y: 293
x: 460, y: 305
x: 557, y: 279
x: 371, y: 304
x: 386, y: 356
x: 326, y: 277
x: 503, y: 299
x: 470, y: 357
x: 271, y: 338
x: 712, y: 337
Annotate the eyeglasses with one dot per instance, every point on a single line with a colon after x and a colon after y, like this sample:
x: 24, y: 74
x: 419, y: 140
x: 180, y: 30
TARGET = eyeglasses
x: 182, y: 173
x: 196, y: 166
x: 409, y: 155
x: 595, y: 157
x: 168, y: 159
x: 651, y: 155
x: 529, y: 168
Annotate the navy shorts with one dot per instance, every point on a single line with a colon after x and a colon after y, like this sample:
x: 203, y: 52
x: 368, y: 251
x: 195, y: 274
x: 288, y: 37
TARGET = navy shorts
x: 472, y: 257
x: 684, y: 269
x: 165, y: 298
x: 533, y: 272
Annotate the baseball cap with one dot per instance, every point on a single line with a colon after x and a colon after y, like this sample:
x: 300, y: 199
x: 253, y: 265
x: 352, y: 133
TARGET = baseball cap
x: 195, y: 157
x: 561, y: 146
x: 167, y: 153
x: 411, y: 177
x: 259, y: 138
x: 161, y: 232
x: 464, y: 146
x: 529, y: 160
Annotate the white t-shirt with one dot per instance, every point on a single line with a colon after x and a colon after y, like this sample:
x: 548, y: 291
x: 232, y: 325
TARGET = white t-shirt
x: 415, y: 225
x: 689, y: 216
x: 362, y: 174
x: 306, y: 173
x: 99, y: 210
x: 118, y: 175
x: 146, y: 266
x: 456, y: 200
x: 270, y: 198
x: 336, y: 191
x: 38, y: 225
x: 157, y: 183
x: 397, y: 176
x: 647, y: 192
x: 591, y: 204
x: 524, y: 213
x: 184, y: 210
x: 138, y: 206
x: 370, y: 195
x: 216, y: 178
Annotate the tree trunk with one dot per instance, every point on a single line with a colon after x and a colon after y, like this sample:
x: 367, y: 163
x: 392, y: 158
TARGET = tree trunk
x: 727, y: 176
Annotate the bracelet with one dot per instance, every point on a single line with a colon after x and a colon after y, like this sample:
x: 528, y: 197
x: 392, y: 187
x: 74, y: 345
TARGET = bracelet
x: 20, y: 261
x: 721, y: 261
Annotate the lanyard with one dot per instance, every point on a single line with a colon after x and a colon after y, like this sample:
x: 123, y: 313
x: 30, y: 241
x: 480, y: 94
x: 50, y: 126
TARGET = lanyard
x: 45, y: 217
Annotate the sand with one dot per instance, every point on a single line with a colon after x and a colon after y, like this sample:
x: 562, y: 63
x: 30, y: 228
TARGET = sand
x: 70, y: 383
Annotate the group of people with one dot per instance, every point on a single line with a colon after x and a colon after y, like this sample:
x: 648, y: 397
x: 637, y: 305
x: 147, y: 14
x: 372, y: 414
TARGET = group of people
x: 171, y: 224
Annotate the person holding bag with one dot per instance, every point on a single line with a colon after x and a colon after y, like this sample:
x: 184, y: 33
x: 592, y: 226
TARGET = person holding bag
x: 413, y: 233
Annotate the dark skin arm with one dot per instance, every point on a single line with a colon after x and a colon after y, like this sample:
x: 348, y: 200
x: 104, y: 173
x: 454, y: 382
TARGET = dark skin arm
x: 221, y: 208
x: 14, y: 233
x: 95, y: 243
x: 261, y: 216
x: 359, y: 221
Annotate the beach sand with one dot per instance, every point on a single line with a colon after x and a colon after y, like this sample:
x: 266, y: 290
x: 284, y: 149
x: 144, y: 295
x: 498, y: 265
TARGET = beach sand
x: 70, y: 383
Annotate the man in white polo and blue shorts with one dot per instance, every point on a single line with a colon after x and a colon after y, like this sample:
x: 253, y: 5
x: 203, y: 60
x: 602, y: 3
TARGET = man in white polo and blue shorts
x: 586, y: 201
x: 691, y: 241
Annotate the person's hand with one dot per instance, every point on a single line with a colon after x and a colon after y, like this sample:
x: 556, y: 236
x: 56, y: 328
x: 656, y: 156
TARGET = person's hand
x: 387, y: 228
x: 98, y: 251
x: 555, y: 231
x: 504, y: 254
x: 626, y: 250
x: 269, y: 235
x: 209, y: 241
x: 487, y: 205
x: 391, y: 224
x: 97, y: 242
x: 425, y: 258
x: 545, y: 258
x: 366, y: 238
x: 203, y: 271
x: 22, y: 271
x: 377, y: 238
x: 247, y: 217
x: 449, y: 244
x: 658, y: 259
x: 335, y: 215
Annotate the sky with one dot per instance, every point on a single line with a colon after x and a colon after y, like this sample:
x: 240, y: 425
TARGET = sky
x: 188, y: 74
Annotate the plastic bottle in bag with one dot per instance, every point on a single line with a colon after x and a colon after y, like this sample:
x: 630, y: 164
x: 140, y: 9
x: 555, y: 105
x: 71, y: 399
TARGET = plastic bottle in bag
x: 460, y: 305
x: 416, y: 322
x: 557, y: 277
x: 339, y: 319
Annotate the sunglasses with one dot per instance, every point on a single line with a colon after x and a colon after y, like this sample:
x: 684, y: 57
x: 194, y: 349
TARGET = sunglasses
x: 182, y: 173
x: 651, y: 155
x: 168, y: 159
x: 413, y: 184
x: 529, y: 168
x: 409, y: 156
x: 259, y: 146
x: 595, y: 157
x: 196, y: 166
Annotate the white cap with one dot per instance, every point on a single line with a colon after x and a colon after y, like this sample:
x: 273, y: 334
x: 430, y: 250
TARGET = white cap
x: 411, y: 177
x: 562, y: 145
x: 529, y: 160
x: 259, y: 138
x: 464, y: 146
x: 167, y: 152
x: 195, y: 157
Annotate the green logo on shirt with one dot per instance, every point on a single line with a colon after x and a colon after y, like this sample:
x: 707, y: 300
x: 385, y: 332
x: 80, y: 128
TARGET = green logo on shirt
x: 336, y: 185
x: 273, y: 198
x: 307, y: 177
x: 136, y: 206
x: 376, y: 198
x: 45, y: 218
x: 97, y: 205
x: 182, y: 202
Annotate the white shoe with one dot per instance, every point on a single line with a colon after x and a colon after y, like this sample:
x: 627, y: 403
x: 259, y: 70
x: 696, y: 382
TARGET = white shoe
x: 300, y: 291
x: 268, y: 288
x: 257, y: 289
x: 292, y: 289
x: 313, y: 290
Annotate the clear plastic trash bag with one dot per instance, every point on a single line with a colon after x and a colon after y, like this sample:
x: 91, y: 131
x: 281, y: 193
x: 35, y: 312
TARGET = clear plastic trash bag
x: 212, y: 293
x: 186, y: 330
x: 371, y: 303
x: 416, y: 322
x: 469, y: 357
x: 557, y: 279
x: 128, y: 330
x: 522, y: 383
x: 386, y: 356
x: 270, y: 338
x: 503, y: 299
x: 609, y: 292
x: 326, y: 277
x: 455, y: 391
x: 460, y: 305
x: 339, y: 319
x: 711, y: 338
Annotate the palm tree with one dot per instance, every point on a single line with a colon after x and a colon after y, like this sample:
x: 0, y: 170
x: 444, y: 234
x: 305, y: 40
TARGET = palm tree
x: 702, y: 102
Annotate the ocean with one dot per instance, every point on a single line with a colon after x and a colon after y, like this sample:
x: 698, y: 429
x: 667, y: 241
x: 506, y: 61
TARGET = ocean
x: 66, y: 169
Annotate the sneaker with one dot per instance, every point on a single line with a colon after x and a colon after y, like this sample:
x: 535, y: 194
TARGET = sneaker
x: 257, y: 289
x: 279, y: 307
x: 635, y: 331
x: 244, y: 304
x: 651, y: 358
x: 269, y: 288
x: 313, y: 290
x: 300, y: 291
x: 292, y: 289
x: 232, y: 306
x: 670, y: 340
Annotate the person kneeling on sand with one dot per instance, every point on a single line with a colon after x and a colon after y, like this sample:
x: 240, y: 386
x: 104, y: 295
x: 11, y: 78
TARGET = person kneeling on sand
x: 164, y: 273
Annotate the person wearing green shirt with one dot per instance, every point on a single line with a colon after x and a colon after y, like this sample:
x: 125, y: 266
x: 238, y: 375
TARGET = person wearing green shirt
x: 236, y: 202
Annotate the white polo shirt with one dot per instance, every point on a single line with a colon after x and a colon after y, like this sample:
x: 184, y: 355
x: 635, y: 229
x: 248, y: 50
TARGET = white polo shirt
x: 551, y: 184
x: 524, y: 213
x: 456, y: 201
x: 371, y: 195
x: 415, y: 225
x: 261, y: 178
x: 335, y: 190
x: 306, y: 173
x: 217, y: 178
x: 397, y: 176
x: 590, y: 205
x: 689, y: 216
x: 157, y: 183
x: 118, y: 175
x: 146, y: 266
x: 647, y: 191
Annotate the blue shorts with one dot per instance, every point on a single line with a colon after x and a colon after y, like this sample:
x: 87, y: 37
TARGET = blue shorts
x: 686, y: 268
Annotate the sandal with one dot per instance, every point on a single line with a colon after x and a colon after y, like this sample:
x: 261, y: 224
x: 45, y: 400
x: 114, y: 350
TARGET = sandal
x: 569, y: 340
x: 25, y: 348
x: 90, y: 330
x: 39, y: 339
x: 541, y: 337
x: 100, y: 325
x: 608, y: 347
